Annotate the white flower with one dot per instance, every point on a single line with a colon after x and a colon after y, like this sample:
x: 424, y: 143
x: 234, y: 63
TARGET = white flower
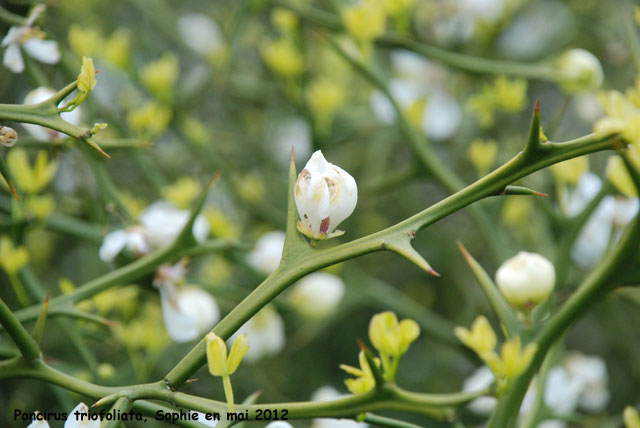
x: 188, y: 312
x: 266, y: 254
x: 42, y: 94
x: 317, y: 295
x: 591, y: 373
x: 116, y: 241
x: 596, y: 235
x: 526, y: 279
x: 579, y: 70
x: 200, y: 33
x: 31, y: 39
x: 163, y: 222
x: 38, y: 423
x: 479, y: 380
x: 81, y: 419
x: 265, y: 334
x: 442, y: 116
x: 291, y: 133
x: 327, y: 393
x: 325, y: 195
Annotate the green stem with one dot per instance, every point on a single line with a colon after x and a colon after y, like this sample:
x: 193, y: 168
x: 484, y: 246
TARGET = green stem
x: 123, y: 405
x: 228, y: 391
x: 11, y: 18
x: 382, y: 421
x: 20, y: 336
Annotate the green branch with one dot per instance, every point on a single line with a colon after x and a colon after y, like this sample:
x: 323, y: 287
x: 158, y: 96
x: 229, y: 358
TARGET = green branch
x: 20, y: 336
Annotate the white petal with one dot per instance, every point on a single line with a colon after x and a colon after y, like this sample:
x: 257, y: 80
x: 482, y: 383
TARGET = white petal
x: 13, y: 58
x: 317, y: 294
x: 267, y: 252
x: 113, y: 243
x: 201, y: 306
x: 593, y: 240
x: 292, y: 133
x: 202, y: 420
x: 39, y: 424
x: 265, y: 334
x: 181, y: 327
x: 81, y: 421
x: 442, y: 117
x: 13, y: 36
x: 45, y: 51
x: 480, y: 379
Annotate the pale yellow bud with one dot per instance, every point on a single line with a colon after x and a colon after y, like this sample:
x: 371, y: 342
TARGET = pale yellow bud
x: 619, y: 176
x: 216, y: 354
x: 365, y: 21
x: 283, y: 58
x: 631, y: 418
x: 481, y: 338
x: 87, y: 77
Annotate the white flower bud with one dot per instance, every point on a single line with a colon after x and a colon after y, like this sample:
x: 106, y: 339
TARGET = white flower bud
x: 325, y: 195
x: 526, y: 279
x: 81, y: 419
x: 579, y: 71
x: 8, y: 136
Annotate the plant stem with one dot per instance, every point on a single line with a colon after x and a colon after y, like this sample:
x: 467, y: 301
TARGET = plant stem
x: 228, y: 391
x: 20, y: 336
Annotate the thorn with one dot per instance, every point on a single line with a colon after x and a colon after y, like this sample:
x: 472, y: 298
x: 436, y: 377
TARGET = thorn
x: 536, y: 109
x: 111, y: 323
x: 13, y: 190
x: 46, y: 301
x: 216, y: 177
x: 190, y: 381
x: 463, y: 250
x: 293, y: 155
x: 536, y: 193
x: 433, y: 272
x: 361, y: 344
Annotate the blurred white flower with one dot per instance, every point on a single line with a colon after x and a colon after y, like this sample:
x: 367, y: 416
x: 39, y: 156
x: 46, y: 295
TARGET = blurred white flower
x: 587, y: 106
x: 41, y: 133
x: 325, y: 195
x: 591, y: 374
x: 598, y: 232
x: 132, y: 238
x: 291, y: 133
x: 442, y: 116
x: 526, y: 279
x: 81, y: 419
x: 327, y: 393
x: 38, y: 423
x: 266, y: 254
x: 414, y: 80
x: 161, y: 223
x: 8, y: 136
x: 200, y: 33
x: 265, y: 334
x: 188, y: 312
x: 479, y: 380
x: 317, y: 295
x: 31, y: 39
